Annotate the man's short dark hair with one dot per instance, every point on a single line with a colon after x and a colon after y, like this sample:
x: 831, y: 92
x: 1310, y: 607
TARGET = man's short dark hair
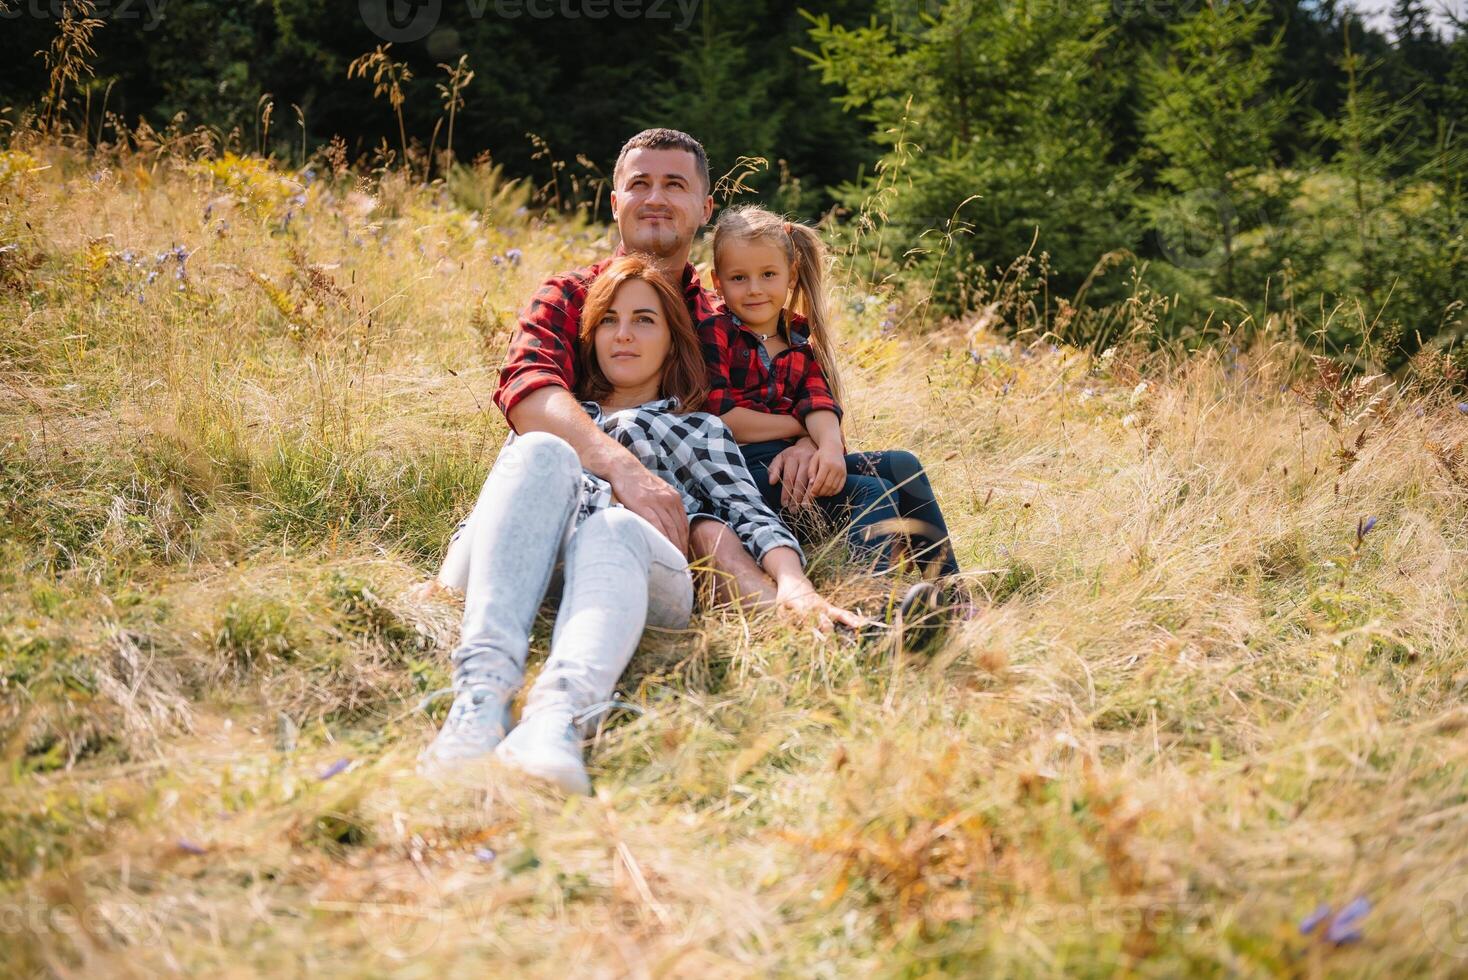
x: 665, y: 139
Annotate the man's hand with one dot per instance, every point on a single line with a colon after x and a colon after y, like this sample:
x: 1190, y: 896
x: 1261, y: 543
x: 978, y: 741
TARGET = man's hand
x: 653, y: 499
x: 828, y: 473
x: 791, y: 471
x: 427, y: 591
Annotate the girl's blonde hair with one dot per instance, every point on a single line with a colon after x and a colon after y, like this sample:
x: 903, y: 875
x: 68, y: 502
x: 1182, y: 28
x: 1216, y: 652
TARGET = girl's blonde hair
x: 685, y: 376
x: 805, y: 251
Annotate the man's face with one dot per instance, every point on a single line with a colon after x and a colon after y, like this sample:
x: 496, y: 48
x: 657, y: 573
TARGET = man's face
x: 660, y: 202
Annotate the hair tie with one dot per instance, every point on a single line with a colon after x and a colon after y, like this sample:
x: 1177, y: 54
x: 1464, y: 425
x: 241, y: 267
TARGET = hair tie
x: 785, y: 225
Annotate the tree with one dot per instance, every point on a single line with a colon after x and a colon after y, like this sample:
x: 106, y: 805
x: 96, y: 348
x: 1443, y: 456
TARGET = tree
x: 1211, y: 122
x: 1369, y: 136
x: 719, y: 91
x: 991, y: 122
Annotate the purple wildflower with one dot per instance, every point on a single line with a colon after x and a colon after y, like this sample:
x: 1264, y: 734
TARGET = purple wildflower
x: 1310, y: 922
x: 1343, y: 928
x: 189, y: 847
x: 484, y: 855
x: 1463, y: 407
x: 335, y: 769
x: 1364, y: 526
x: 514, y: 256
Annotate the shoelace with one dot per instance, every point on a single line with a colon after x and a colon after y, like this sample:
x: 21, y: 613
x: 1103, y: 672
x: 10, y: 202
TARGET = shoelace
x: 578, y: 718
x: 586, y: 714
x: 464, y: 682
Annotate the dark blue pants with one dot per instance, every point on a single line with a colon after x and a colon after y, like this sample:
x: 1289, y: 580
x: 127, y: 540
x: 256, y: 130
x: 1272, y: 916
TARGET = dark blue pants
x: 887, y: 500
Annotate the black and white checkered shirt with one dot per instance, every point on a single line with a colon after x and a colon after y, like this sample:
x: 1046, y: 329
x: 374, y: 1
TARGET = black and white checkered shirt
x: 697, y: 454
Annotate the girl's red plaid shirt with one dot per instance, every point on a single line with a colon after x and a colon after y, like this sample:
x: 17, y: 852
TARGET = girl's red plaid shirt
x: 742, y: 374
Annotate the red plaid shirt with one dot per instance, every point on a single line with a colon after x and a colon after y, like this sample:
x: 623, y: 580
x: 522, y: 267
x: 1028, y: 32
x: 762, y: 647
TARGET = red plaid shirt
x: 543, y: 351
x: 742, y: 375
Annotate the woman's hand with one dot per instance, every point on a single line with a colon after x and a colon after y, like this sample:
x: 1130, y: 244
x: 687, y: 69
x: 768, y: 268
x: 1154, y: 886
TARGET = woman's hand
x: 828, y: 473
x: 800, y: 602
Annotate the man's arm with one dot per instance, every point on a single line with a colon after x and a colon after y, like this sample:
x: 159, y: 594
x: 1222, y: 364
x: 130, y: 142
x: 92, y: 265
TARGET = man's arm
x: 555, y: 410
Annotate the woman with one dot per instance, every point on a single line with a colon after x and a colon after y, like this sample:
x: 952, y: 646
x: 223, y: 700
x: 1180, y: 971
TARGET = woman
x: 643, y: 377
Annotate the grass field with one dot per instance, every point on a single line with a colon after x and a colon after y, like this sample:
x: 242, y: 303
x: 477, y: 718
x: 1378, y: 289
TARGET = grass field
x: 1218, y: 678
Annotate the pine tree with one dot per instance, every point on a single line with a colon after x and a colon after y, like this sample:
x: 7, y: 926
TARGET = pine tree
x: 1211, y: 122
x: 1368, y: 134
x: 719, y: 91
x: 992, y: 123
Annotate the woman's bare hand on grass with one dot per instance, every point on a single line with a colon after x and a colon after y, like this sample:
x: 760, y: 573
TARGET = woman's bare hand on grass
x: 803, y: 604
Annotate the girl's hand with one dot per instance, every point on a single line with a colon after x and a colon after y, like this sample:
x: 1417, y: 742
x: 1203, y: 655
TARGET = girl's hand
x: 828, y: 473
x: 800, y: 602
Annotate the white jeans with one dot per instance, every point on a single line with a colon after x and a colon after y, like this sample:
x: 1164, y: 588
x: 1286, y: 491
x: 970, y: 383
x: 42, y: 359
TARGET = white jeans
x: 620, y: 574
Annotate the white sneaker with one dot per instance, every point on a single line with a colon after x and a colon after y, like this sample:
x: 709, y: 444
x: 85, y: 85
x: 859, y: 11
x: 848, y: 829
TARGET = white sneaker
x: 476, y: 724
x: 547, y: 744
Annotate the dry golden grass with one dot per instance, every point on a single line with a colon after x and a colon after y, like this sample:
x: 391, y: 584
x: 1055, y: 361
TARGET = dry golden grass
x: 1194, y: 705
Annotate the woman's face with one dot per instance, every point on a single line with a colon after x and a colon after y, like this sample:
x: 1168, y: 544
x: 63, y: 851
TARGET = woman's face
x: 633, y: 340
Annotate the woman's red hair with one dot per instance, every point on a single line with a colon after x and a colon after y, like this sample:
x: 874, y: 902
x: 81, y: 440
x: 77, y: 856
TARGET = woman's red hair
x: 685, y: 376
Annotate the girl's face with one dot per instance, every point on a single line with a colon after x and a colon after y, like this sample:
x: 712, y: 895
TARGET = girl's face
x: 633, y: 340
x: 755, y: 279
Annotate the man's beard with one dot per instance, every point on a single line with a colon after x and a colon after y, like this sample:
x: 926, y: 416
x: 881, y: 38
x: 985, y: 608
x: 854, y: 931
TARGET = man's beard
x: 661, y: 241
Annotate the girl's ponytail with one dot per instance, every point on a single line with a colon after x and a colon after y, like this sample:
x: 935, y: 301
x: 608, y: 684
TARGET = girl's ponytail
x: 810, y: 299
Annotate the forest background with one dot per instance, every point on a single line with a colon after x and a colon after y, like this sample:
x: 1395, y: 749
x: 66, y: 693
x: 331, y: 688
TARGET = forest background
x: 1244, y: 159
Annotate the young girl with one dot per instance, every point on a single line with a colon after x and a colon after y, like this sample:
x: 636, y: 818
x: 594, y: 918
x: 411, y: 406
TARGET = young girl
x: 641, y: 373
x: 773, y: 379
